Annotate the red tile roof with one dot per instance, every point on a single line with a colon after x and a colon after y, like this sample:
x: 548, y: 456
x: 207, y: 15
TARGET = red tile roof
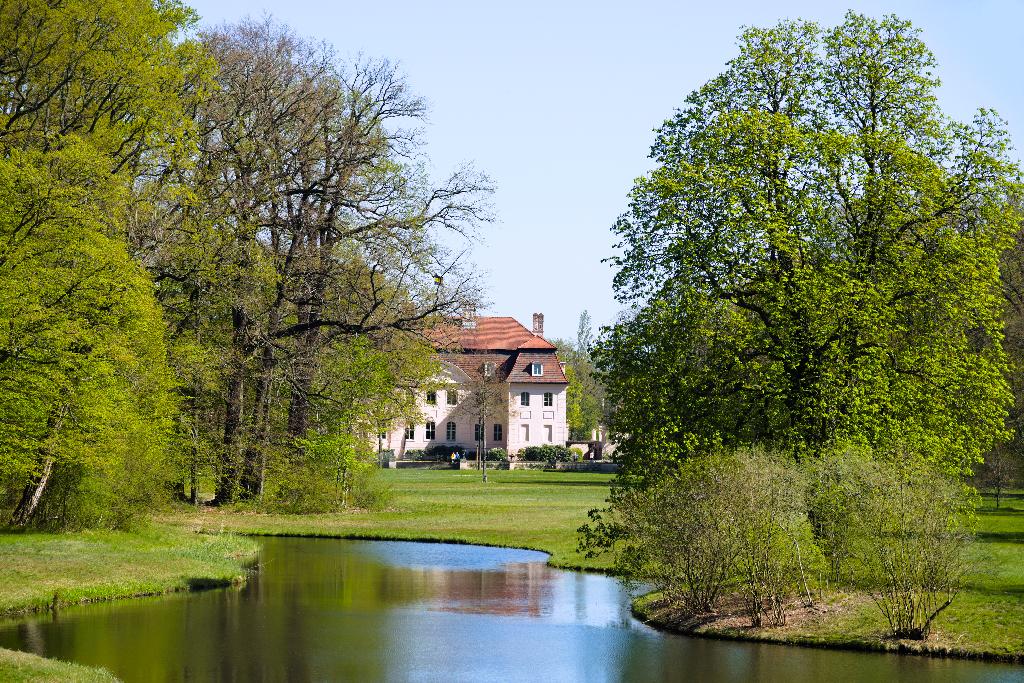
x: 502, y: 341
x: 472, y: 363
x: 492, y: 333
x: 520, y: 371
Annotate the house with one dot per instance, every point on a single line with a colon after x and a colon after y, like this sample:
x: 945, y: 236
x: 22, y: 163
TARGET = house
x: 500, y: 357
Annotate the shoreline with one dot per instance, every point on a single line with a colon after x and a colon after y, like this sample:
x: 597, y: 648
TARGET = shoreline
x: 645, y: 609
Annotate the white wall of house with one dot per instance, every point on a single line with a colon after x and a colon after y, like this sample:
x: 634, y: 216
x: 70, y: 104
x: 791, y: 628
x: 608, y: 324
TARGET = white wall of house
x: 533, y: 425
x: 536, y: 424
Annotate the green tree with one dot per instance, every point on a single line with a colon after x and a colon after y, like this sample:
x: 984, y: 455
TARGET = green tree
x: 305, y: 220
x: 814, y: 259
x: 93, y: 103
x: 585, y: 395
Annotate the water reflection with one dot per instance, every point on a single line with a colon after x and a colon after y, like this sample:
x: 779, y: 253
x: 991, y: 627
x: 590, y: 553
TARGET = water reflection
x: 354, y: 610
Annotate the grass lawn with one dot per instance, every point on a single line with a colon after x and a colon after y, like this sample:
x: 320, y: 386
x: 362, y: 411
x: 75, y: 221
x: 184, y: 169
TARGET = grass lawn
x: 521, y: 508
x: 38, y: 568
x: 18, y: 667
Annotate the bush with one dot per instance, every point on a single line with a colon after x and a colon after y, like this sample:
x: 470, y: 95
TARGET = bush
x: 775, y: 538
x: 324, y: 473
x: 546, y: 453
x: 370, y: 492
x: 913, y: 531
x: 833, y: 488
x: 418, y: 454
x: 497, y: 455
x: 443, y: 453
x: 728, y: 521
x: 681, y: 535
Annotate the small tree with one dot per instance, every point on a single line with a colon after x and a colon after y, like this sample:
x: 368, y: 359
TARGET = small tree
x: 486, y: 398
x: 1000, y: 471
x: 914, y: 528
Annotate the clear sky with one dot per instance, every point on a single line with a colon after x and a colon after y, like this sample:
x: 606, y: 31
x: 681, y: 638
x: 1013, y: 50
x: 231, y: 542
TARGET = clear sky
x: 557, y: 101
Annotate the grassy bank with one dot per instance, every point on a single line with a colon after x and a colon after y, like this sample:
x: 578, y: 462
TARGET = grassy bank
x: 19, y: 667
x: 520, y: 508
x: 39, y: 569
x: 985, y: 621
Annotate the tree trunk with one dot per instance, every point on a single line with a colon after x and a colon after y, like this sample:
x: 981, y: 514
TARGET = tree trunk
x: 255, y: 461
x: 227, y: 478
x: 31, y: 496
x: 302, y: 382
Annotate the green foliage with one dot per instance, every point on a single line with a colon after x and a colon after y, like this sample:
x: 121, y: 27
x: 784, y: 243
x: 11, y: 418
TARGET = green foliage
x: 84, y: 388
x: 913, y: 528
x: 546, y: 453
x: 777, y: 552
x: 497, y: 455
x: 443, y: 452
x: 85, y: 405
x: 584, y: 397
x: 680, y: 535
x: 833, y: 488
x: 114, y: 72
x: 723, y: 524
x: 813, y: 262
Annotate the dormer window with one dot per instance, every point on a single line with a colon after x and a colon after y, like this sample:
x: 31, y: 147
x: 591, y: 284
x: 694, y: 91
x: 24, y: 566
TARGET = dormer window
x: 488, y: 369
x: 536, y: 369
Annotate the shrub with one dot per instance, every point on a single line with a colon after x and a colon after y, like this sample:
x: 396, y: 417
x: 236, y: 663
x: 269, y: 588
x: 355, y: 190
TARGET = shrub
x: 833, y: 488
x: 546, y: 453
x: 325, y: 472
x: 497, y: 455
x: 417, y: 454
x: 681, y: 535
x: 775, y: 538
x: 720, y: 523
x: 913, y: 530
x: 443, y: 453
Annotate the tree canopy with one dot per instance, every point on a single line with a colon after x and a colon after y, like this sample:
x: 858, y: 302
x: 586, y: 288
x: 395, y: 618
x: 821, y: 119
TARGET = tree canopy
x: 218, y: 252
x: 814, y: 259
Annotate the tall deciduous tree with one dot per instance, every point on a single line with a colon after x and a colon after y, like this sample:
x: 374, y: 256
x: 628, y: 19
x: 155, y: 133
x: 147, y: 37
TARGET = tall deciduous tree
x: 93, y: 99
x: 315, y: 223
x: 815, y: 257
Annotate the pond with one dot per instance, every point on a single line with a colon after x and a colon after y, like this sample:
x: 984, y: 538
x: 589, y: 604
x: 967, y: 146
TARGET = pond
x: 327, y: 610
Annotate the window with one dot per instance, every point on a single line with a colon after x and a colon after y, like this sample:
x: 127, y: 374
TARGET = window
x: 524, y: 433
x: 410, y: 432
x: 488, y: 369
x: 431, y: 398
x: 431, y: 431
x: 536, y: 369
x: 453, y: 397
x: 548, y: 433
x: 450, y: 431
x: 478, y: 432
x: 497, y: 432
x: 524, y: 398
x: 549, y: 399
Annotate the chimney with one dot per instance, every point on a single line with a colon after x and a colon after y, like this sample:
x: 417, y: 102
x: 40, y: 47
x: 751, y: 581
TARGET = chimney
x: 538, y: 324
